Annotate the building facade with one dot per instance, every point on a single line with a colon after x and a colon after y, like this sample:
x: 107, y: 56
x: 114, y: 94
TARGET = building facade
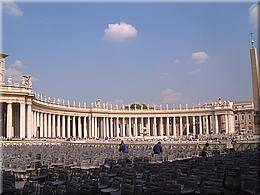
x: 25, y: 114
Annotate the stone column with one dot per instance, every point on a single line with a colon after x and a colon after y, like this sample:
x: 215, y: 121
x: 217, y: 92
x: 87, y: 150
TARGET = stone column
x: 96, y: 128
x: 63, y: 128
x: 207, y: 124
x: 90, y: 126
x: 107, y: 127
x: 123, y: 124
x: 34, y: 124
x: 93, y: 127
x: 103, y: 128
x: 154, y: 127
x: 9, y: 122
x: 45, y: 129
x: 129, y: 127
x: 232, y: 123
x: 167, y: 127
x: 85, y: 127
x: 216, y: 124
x: 22, y: 120
x: 29, y: 121
x: 58, y: 126
x: 68, y: 126
x: 41, y: 124
x: 161, y: 126
x: 174, y: 126
x: 49, y: 125
x: 73, y: 126
x: 111, y: 127
x: 117, y: 127
x: 200, y: 121
x: 79, y: 127
x: 148, y: 126
x: 187, y: 126
x: 181, y: 132
x: 226, y: 123
x: 53, y: 126
x: 194, y: 125
x: 37, y: 122
x: 135, y: 127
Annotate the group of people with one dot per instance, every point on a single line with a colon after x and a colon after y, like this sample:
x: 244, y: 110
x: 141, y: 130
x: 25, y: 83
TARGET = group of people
x: 157, y: 149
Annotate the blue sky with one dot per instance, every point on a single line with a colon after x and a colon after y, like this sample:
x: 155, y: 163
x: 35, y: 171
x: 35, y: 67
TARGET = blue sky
x: 167, y: 53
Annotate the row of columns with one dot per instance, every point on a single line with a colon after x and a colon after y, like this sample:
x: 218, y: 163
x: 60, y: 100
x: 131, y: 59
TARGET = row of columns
x: 38, y: 124
x: 101, y: 127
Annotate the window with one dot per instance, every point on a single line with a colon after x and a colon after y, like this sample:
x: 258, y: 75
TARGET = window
x: 236, y: 117
x: 243, y: 117
x: 249, y: 116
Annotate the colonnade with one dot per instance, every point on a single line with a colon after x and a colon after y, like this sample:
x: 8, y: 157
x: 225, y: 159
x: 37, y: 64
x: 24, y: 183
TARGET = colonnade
x: 36, y: 123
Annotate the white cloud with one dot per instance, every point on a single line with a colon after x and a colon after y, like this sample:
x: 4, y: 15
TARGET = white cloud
x: 15, y: 73
x: 12, y: 8
x: 199, y: 57
x: 116, y: 101
x: 253, y: 15
x: 177, y: 61
x: 15, y: 70
x: 195, y: 71
x: 171, y: 97
x: 18, y: 64
x: 165, y: 75
x: 120, y: 32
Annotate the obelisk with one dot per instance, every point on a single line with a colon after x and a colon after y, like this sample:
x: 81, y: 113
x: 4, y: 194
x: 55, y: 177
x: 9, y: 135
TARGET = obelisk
x: 254, y: 56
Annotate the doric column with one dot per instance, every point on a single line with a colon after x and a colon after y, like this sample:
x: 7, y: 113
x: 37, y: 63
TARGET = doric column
x: 174, y: 126
x: 231, y: 123
x: 167, y: 127
x: 22, y: 120
x: 49, y: 125
x: 68, y: 126
x: 107, y: 127
x: 73, y: 126
x: 45, y: 128
x: 187, y: 126
x: 85, y: 127
x: 123, y: 124
x: 161, y: 126
x: 117, y: 127
x: 92, y: 127
x: 9, y: 122
x: 200, y: 125
x: 135, y: 127
x: 111, y: 127
x: 128, y: 133
x: 63, y: 126
x: 207, y: 124
x: 154, y: 127
x: 181, y: 132
x: 96, y: 128
x: 37, y: 122
x: 34, y: 124
x: 79, y: 127
x: 226, y: 123
x: 29, y: 121
x: 41, y: 125
x: 58, y: 126
x: 194, y: 125
x: 53, y: 126
x: 103, y: 128
x: 216, y: 124
x: 148, y: 126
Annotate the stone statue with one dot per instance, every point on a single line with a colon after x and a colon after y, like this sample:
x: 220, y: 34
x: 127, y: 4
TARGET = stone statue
x: 27, y: 81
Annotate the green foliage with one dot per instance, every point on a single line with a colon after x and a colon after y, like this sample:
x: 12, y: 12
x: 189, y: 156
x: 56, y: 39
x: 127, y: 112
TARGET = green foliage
x: 138, y: 106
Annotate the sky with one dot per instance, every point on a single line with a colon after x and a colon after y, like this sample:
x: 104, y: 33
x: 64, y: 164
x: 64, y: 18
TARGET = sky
x: 122, y: 53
